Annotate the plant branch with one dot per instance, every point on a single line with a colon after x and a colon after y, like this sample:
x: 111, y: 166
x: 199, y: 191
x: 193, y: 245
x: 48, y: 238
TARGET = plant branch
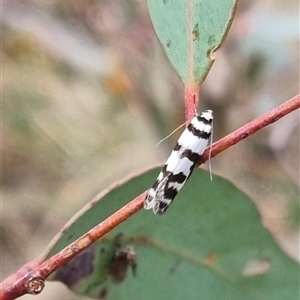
x: 251, y: 127
x: 191, y: 100
x: 32, y: 281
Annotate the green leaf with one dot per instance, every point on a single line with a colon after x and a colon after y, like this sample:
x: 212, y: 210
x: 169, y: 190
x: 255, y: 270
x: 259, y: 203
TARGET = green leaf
x: 211, y: 242
x: 190, y: 32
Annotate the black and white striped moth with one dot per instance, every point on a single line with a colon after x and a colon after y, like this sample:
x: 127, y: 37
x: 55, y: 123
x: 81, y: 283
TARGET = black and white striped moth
x: 180, y: 164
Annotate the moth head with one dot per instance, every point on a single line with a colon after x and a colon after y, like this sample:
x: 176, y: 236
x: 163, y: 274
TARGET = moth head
x: 208, y: 115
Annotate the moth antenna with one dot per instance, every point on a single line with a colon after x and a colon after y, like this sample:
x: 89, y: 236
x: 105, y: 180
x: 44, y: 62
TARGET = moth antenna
x: 209, y: 153
x: 171, y: 133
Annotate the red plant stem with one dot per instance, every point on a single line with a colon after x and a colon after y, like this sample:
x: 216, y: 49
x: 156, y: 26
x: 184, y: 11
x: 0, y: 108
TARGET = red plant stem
x: 191, y: 99
x: 251, y: 127
x: 46, y: 268
x: 20, y: 287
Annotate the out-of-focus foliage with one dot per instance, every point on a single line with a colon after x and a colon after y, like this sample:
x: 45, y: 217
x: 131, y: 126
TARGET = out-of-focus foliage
x: 87, y: 92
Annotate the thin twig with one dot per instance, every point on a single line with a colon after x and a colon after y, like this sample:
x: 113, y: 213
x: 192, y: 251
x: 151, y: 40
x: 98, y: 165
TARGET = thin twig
x: 253, y: 126
x: 33, y: 280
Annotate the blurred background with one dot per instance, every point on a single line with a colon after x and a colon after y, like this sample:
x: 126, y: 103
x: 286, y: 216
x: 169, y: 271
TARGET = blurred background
x: 87, y: 92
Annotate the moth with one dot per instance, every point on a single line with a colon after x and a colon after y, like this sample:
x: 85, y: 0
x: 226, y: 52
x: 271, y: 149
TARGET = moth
x: 180, y: 164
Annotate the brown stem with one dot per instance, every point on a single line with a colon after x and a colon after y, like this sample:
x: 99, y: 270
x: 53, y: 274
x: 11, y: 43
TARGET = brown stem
x: 33, y: 281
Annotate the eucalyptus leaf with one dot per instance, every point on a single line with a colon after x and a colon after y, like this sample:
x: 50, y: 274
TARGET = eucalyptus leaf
x: 191, y: 32
x: 210, y: 244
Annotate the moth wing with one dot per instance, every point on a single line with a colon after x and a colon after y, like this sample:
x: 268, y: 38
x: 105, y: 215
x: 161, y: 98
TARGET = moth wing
x: 156, y: 194
x: 161, y: 203
x: 149, y: 199
x: 177, y: 164
x: 192, y: 142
